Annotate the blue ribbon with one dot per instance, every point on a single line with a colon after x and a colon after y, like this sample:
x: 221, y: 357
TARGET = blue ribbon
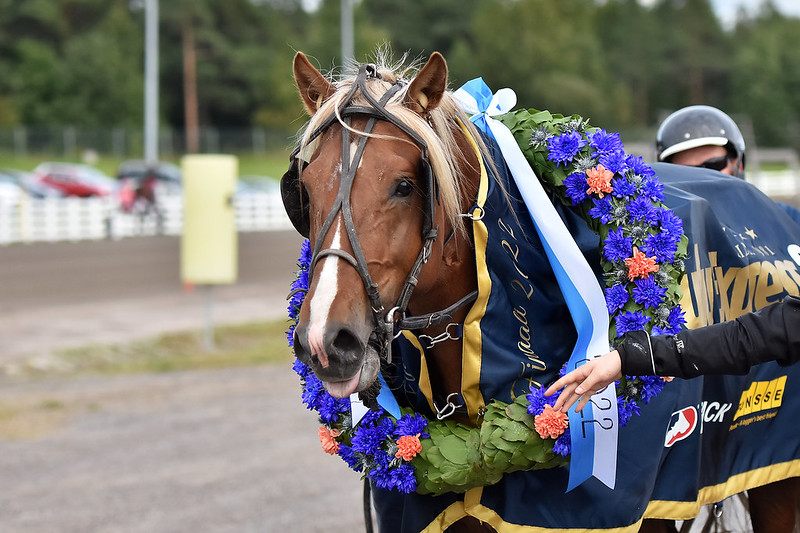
x: 387, y: 400
x: 593, y: 449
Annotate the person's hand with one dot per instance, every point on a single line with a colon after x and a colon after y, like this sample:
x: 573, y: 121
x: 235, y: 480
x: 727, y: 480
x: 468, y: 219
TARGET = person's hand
x: 584, y: 381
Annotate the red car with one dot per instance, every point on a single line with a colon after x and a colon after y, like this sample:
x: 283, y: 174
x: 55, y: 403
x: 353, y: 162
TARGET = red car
x: 74, y: 179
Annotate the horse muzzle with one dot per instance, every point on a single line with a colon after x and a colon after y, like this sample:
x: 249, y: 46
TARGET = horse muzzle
x: 339, y: 356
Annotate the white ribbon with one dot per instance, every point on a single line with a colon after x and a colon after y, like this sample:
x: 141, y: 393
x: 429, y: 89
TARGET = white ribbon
x: 593, y: 431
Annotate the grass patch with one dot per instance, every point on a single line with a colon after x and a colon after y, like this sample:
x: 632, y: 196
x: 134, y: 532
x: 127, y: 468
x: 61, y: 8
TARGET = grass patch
x: 239, y: 345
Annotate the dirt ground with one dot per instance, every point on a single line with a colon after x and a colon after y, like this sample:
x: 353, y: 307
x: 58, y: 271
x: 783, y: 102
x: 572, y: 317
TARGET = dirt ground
x: 207, y: 451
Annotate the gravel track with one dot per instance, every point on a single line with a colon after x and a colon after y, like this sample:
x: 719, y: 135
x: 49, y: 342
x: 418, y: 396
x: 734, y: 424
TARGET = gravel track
x: 201, y: 451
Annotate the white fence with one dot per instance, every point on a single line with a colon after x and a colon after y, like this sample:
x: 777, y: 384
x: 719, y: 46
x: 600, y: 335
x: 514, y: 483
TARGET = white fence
x: 781, y: 184
x: 78, y: 219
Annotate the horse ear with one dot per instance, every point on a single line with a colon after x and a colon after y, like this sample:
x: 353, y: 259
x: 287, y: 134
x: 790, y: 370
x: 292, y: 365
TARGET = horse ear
x: 314, y: 87
x: 425, y: 92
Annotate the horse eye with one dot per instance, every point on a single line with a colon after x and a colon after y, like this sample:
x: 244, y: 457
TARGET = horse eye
x: 404, y: 189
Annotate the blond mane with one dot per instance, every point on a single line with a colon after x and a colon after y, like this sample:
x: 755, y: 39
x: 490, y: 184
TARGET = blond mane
x: 444, y: 152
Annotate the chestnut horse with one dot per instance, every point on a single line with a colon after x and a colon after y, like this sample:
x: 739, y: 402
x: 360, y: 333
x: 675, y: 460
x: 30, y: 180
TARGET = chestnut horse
x: 384, y: 171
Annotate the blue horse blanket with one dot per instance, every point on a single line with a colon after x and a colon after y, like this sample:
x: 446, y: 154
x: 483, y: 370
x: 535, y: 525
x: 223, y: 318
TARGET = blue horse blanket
x: 698, y: 442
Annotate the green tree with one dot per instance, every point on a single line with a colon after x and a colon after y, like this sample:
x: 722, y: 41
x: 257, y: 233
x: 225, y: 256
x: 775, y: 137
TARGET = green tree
x: 626, y: 31
x: 420, y: 28
x: 693, y: 60
x: 71, y: 62
x: 766, y: 79
x: 548, y: 52
x: 103, y: 72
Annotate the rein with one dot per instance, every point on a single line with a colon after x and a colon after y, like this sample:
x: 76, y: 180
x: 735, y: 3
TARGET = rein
x: 395, y: 318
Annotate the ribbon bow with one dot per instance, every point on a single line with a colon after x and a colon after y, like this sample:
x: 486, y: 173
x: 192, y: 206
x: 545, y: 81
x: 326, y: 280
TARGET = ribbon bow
x: 593, y: 435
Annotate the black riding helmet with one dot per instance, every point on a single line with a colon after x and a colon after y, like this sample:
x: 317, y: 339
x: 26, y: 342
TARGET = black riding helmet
x: 699, y: 125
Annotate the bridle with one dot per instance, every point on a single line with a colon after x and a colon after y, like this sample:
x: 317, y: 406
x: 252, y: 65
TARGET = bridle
x: 296, y: 203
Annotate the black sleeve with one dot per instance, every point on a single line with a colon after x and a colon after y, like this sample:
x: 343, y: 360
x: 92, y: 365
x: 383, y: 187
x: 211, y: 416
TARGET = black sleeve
x: 772, y: 333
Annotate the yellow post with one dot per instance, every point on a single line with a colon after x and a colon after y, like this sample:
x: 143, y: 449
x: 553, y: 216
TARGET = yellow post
x: 209, y: 243
x: 209, y: 240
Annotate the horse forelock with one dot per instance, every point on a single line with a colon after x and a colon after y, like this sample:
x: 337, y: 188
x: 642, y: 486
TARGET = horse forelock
x: 444, y: 152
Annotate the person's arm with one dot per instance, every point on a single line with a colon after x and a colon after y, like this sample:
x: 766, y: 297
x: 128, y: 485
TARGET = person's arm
x: 772, y: 333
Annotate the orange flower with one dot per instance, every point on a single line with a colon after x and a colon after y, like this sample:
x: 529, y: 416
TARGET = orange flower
x: 599, y: 180
x: 327, y: 437
x: 408, y: 446
x: 640, y: 266
x: 551, y: 423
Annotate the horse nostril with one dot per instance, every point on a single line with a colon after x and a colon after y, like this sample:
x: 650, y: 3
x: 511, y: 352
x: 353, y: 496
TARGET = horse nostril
x: 346, y: 343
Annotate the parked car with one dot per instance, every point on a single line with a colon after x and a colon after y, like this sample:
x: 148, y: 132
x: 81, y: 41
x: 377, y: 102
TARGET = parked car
x: 10, y: 191
x: 29, y: 183
x: 75, y: 179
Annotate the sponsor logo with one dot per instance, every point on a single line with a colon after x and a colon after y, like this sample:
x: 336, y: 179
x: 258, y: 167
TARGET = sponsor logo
x: 681, y: 425
x: 761, y: 395
x: 713, y: 412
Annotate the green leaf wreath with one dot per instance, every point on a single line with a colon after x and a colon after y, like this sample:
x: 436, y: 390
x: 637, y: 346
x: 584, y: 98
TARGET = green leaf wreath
x: 643, y: 248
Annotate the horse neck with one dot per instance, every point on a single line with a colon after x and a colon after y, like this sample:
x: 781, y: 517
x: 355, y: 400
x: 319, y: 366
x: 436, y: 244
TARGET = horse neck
x: 456, y: 278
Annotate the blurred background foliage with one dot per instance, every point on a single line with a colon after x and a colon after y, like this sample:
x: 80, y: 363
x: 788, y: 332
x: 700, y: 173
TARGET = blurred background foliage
x: 622, y: 64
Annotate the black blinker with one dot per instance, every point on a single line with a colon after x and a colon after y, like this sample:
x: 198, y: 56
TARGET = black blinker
x: 295, y: 199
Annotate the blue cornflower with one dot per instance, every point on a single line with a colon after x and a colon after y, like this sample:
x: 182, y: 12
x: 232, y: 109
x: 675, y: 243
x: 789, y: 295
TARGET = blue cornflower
x: 658, y: 330
x: 616, y: 298
x: 576, y: 187
x: 349, y: 456
x: 305, y: 255
x: 300, y: 368
x: 630, y: 321
x: 565, y: 146
x: 637, y: 166
x: 537, y: 400
x: 617, y: 247
x: 402, y: 478
x: 651, y: 386
x: 563, y: 444
x: 605, y: 143
x: 381, y: 460
x: 372, y: 417
x: 676, y: 319
x: 602, y: 209
x: 623, y: 187
x: 661, y: 245
x: 647, y: 292
x: 411, y: 425
x: 317, y: 399
x: 296, y: 299
x: 670, y: 223
x: 642, y: 209
x: 380, y: 471
x: 653, y: 188
x: 312, y: 391
x: 368, y: 436
x: 625, y: 410
x: 331, y: 408
x: 614, y: 161
x: 290, y: 335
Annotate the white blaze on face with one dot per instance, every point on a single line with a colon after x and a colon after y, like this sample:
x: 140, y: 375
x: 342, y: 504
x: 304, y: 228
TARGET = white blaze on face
x: 327, y: 285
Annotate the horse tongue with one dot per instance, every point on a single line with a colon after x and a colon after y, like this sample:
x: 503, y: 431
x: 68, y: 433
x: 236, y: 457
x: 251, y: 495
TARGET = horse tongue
x: 343, y: 389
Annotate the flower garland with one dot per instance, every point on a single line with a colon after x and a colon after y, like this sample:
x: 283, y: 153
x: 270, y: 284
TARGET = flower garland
x: 643, y: 248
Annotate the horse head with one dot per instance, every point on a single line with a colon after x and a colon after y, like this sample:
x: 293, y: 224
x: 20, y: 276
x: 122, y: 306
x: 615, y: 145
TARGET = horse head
x: 374, y: 185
